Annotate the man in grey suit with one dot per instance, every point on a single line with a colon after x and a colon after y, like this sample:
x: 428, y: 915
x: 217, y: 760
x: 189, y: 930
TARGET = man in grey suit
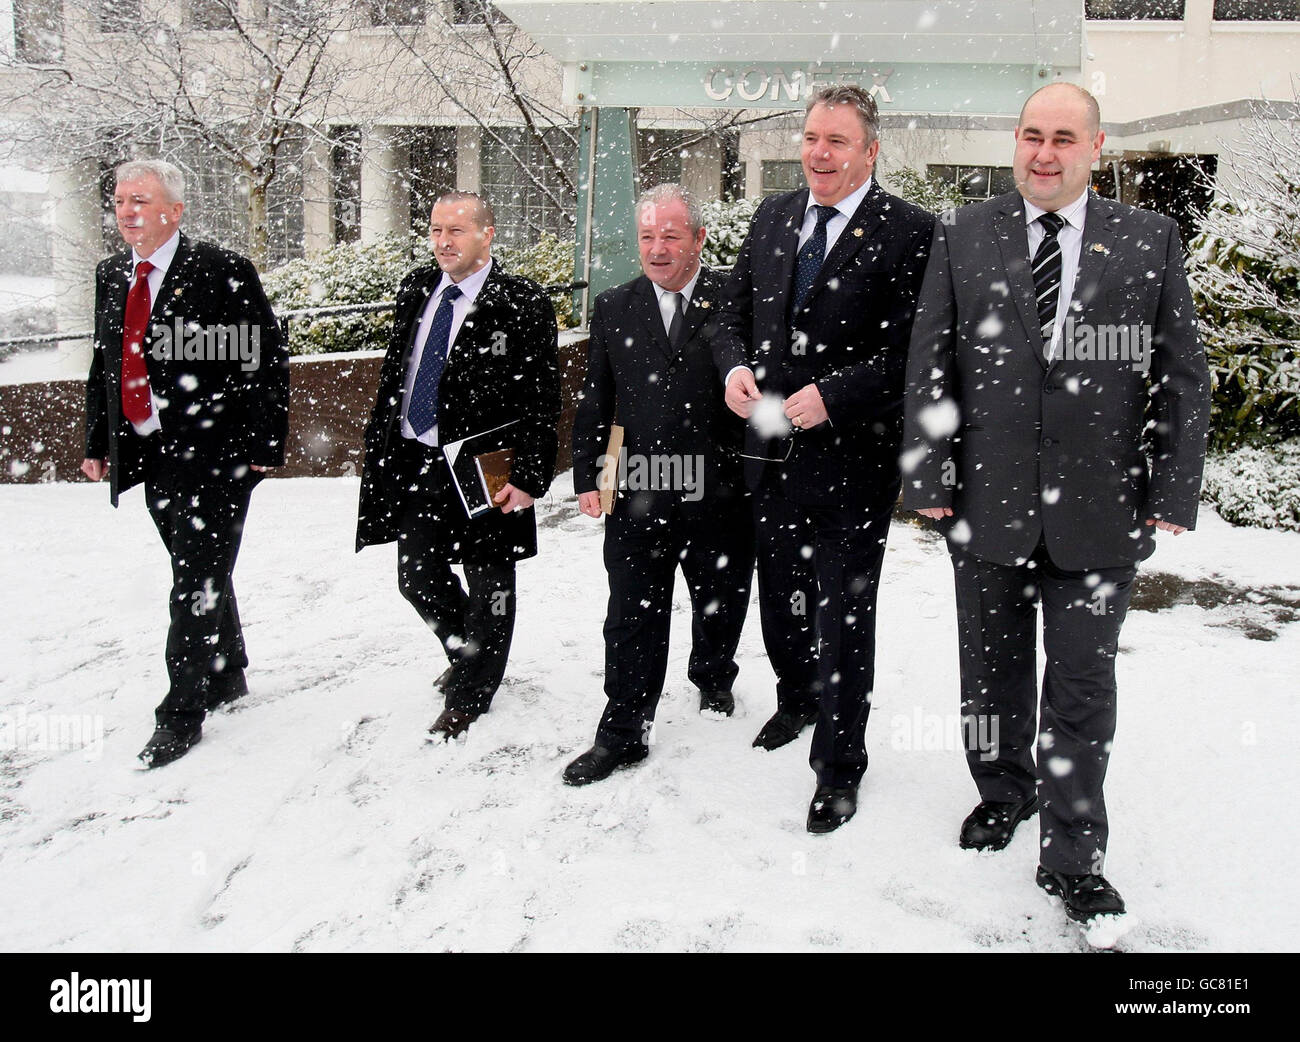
x: 1057, y: 411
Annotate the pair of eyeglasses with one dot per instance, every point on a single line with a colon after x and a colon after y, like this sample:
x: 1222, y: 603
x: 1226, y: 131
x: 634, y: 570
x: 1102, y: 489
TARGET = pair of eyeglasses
x: 789, y: 448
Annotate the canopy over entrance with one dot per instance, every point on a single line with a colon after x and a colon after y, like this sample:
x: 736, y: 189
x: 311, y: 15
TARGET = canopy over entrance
x: 977, y: 57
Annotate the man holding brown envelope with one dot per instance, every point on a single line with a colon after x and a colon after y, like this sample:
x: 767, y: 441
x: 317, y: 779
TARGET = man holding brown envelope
x: 672, y: 488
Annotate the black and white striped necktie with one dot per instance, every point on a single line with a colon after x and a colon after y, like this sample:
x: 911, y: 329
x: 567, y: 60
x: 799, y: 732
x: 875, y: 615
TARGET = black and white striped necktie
x: 1047, y: 273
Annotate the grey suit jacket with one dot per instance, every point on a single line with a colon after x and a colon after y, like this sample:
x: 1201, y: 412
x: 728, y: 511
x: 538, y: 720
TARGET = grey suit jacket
x: 1080, y: 448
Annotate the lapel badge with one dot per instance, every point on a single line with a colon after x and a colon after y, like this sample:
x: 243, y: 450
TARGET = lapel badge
x: 1099, y: 248
x: 704, y: 303
x: 857, y: 233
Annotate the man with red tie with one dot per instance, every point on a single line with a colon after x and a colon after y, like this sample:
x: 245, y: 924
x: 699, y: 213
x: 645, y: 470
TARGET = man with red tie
x: 188, y: 393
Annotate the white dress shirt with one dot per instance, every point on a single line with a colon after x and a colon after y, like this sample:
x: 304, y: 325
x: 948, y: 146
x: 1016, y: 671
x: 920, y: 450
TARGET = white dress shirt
x: 666, y: 300
x: 847, y: 207
x: 1070, y: 238
x: 161, y: 259
x: 470, y: 287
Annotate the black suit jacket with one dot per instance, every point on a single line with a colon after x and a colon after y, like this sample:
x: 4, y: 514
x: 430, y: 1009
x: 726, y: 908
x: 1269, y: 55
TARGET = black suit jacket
x: 1055, y: 448
x: 850, y: 339
x: 668, y: 401
x: 503, y: 366
x: 217, y: 416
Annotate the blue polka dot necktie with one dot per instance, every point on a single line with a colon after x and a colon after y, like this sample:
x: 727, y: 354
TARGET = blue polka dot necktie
x: 810, y: 258
x: 422, y: 413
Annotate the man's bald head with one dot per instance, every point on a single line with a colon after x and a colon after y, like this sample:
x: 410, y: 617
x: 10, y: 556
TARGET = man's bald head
x: 1092, y: 111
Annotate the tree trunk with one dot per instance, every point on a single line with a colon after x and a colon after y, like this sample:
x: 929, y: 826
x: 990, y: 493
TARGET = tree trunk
x: 258, y: 231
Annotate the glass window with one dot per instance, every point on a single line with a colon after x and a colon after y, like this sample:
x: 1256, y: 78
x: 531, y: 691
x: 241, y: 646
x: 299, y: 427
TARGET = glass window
x: 432, y: 166
x: 1257, y: 10
x: 394, y: 12
x: 1134, y: 10
x: 512, y: 164
x: 660, y: 154
x: 38, y: 30
x: 976, y: 183
x: 781, y: 175
x: 211, y: 14
x: 118, y: 16
x: 474, y: 12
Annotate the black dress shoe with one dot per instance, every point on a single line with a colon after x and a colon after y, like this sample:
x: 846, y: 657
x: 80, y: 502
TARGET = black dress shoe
x: 451, y: 723
x: 831, y: 807
x: 167, y: 745
x: 1085, y: 897
x: 991, y: 824
x: 783, y: 728
x: 224, y: 688
x: 598, y: 763
x: 723, y: 702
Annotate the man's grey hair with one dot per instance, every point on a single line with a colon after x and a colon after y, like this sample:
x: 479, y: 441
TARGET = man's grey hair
x: 169, y: 175
x: 669, y: 192
x: 849, y: 94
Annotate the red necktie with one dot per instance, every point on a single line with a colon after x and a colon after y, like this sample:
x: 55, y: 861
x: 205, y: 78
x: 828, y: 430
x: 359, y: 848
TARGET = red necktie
x: 137, y: 405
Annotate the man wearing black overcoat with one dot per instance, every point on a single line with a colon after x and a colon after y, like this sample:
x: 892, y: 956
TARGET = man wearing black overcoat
x: 473, y: 349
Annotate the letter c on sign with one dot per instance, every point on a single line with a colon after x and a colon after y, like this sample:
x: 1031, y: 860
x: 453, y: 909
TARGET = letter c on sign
x: 711, y: 79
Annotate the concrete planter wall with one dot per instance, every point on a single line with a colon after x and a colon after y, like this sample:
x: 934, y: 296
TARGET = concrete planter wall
x: 42, y: 425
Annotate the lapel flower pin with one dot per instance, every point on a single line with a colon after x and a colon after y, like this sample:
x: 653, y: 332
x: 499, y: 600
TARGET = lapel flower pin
x: 704, y: 303
x: 857, y: 233
x: 1099, y: 248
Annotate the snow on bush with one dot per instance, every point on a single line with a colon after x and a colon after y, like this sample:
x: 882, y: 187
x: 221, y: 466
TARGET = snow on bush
x: 728, y: 224
x: 367, y: 273
x: 1256, y: 486
x: 1245, y: 277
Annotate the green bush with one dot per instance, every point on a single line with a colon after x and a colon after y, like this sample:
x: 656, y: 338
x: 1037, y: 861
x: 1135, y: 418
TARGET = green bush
x: 929, y: 193
x: 356, y: 273
x: 549, y: 262
x: 1245, y: 280
x: 1256, y: 486
x: 349, y: 273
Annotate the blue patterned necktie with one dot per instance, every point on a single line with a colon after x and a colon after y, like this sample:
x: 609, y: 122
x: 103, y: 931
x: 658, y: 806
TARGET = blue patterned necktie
x: 422, y: 412
x: 810, y: 258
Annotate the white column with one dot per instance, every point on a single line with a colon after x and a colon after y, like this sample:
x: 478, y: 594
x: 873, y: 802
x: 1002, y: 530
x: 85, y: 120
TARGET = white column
x: 384, y: 195
x: 78, y: 247
x: 317, y: 215
x: 469, y: 170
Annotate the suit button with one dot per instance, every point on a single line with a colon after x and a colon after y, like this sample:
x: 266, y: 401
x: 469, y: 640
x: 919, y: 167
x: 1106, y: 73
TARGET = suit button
x: 1048, y: 443
x: 1048, y: 389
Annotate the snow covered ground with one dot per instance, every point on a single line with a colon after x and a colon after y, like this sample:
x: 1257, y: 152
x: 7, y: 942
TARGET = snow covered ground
x: 314, y: 816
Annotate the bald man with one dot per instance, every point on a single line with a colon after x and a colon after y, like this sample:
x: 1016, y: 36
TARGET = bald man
x: 1052, y: 326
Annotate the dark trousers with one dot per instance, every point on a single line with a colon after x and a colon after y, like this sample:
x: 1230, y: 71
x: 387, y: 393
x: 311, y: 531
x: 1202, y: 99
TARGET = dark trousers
x: 997, y: 622
x: 715, y: 548
x: 818, y: 573
x: 475, y: 625
x: 201, y: 524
